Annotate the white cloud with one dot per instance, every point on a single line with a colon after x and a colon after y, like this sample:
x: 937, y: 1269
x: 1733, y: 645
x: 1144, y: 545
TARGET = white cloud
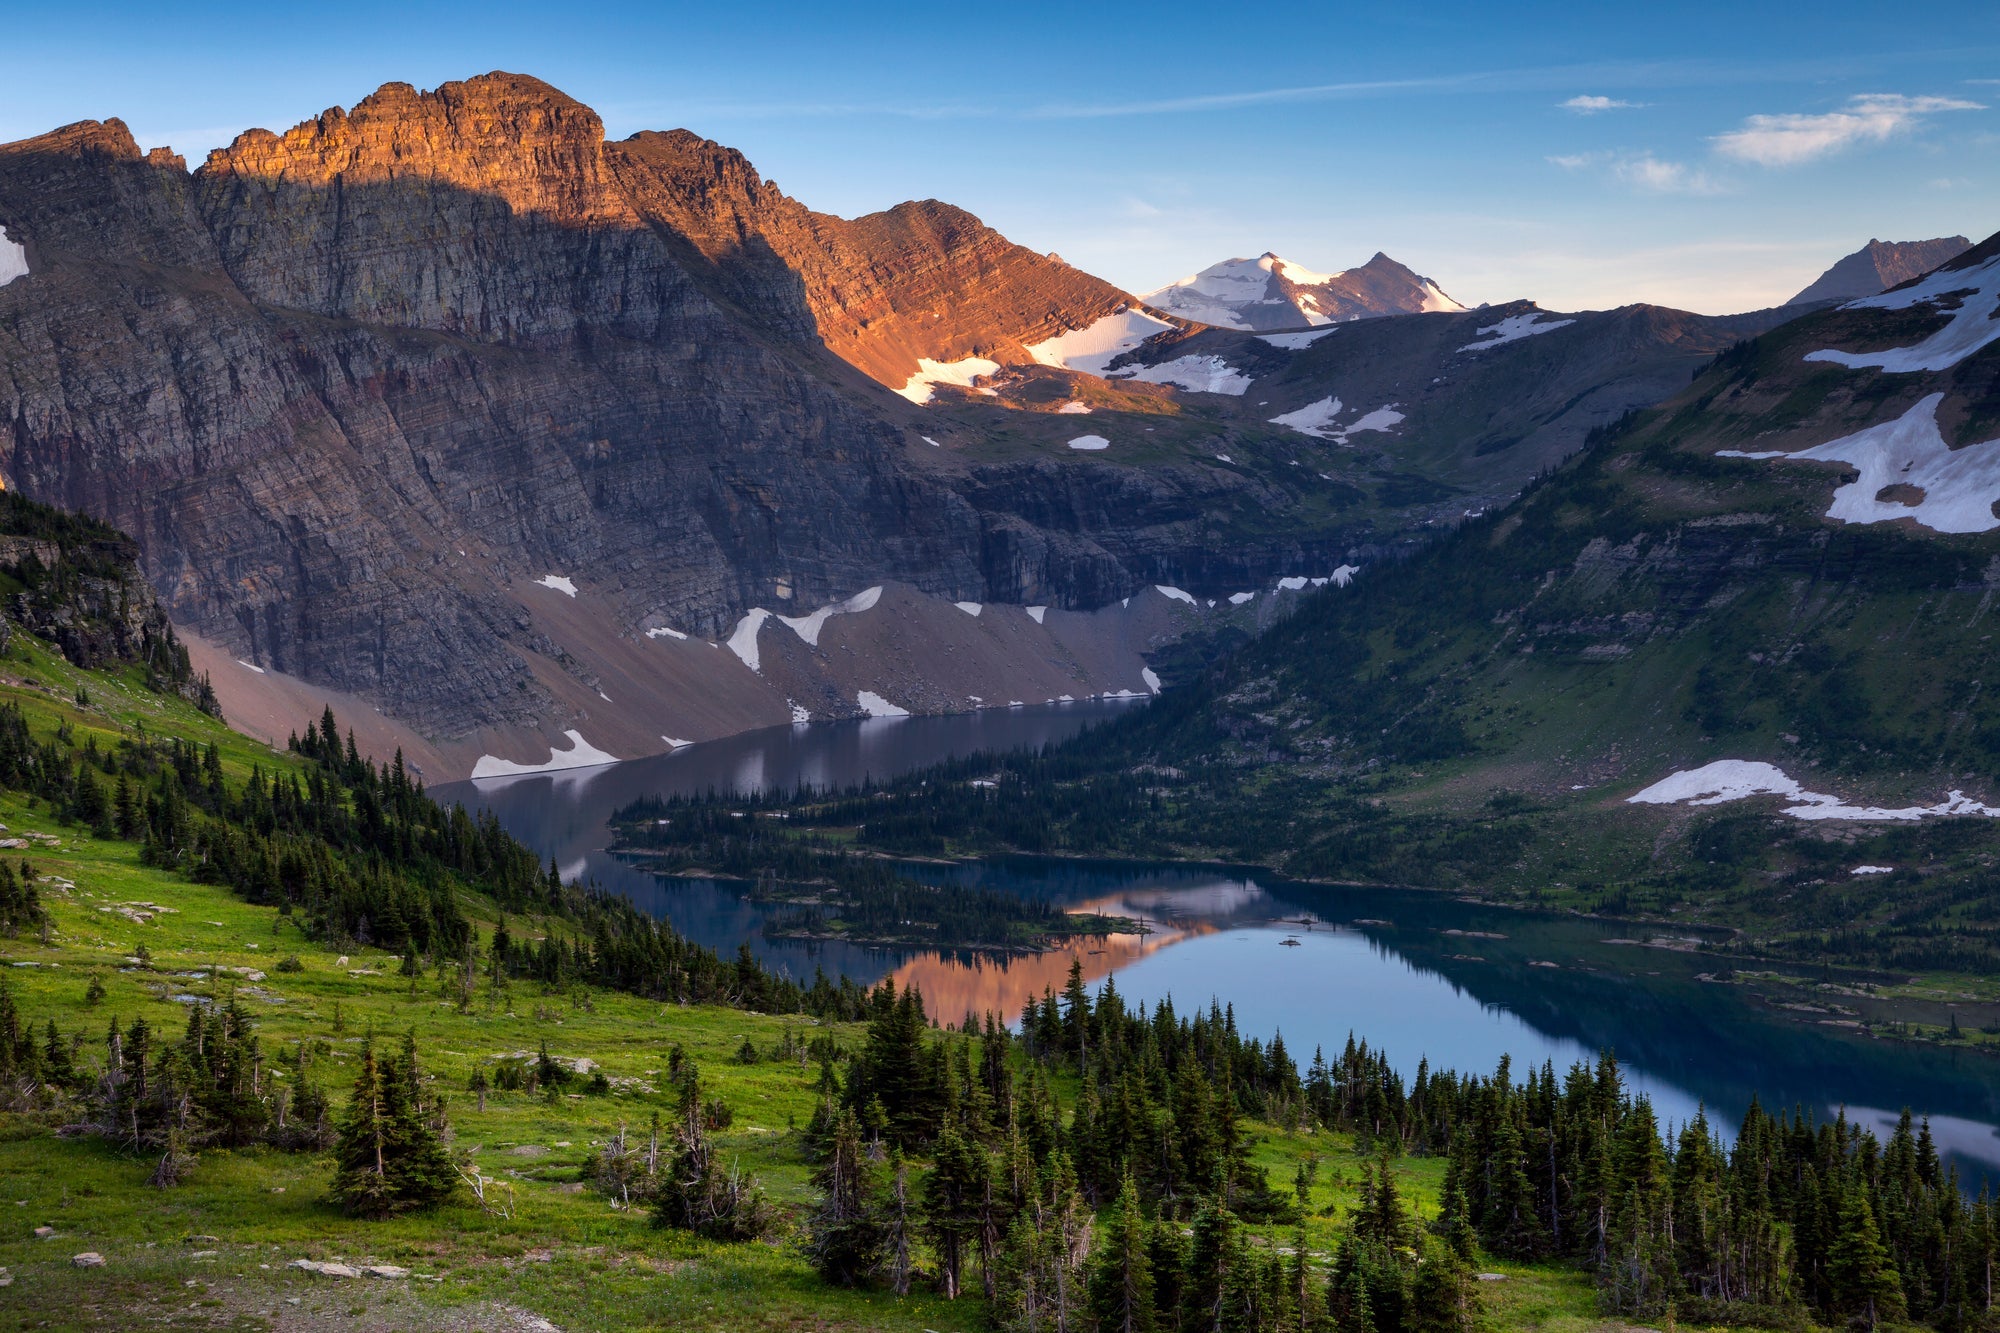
x: 1590, y: 105
x: 1643, y: 171
x: 1788, y: 140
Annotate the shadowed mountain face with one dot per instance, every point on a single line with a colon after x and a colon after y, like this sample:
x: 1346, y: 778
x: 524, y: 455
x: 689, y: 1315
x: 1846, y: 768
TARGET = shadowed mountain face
x: 1880, y: 265
x: 446, y: 403
x: 349, y: 384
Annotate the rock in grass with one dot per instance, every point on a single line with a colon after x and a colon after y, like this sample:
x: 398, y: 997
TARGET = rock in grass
x: 324, y: 1270
x: 43, y: 1233
x: 88, y: 1259
x: 384, y: 1270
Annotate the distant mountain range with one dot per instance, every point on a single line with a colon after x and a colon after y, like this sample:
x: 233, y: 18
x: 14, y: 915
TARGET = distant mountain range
x: 446, y: 405
x: 1273, y: 293
x: 1880, y: 265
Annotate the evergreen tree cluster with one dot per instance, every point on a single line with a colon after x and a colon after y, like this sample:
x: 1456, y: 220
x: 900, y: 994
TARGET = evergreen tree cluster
x: 390, y: 1156
x: 150, y: 1094
x: 1143, y: 1184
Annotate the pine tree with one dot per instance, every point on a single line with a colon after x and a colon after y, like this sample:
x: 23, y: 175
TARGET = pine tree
x: 1443, y: 1295
x: 1121, y: 1281
x: 844, y: 1235
x: 389, y: 1156
x: 362, y: 1154
x: 952, y: 1193
x: 1865, y: 1284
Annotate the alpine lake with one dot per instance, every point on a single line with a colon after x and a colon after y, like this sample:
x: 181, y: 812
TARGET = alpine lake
x: 1421, y: 975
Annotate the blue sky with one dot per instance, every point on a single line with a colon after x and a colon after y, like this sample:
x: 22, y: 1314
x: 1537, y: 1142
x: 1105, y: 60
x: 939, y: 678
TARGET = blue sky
x: 1711, y: 156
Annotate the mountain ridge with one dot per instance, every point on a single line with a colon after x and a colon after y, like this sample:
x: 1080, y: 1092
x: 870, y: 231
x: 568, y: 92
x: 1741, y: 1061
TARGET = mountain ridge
x: 1271, y: 293
x: 1878, y: 266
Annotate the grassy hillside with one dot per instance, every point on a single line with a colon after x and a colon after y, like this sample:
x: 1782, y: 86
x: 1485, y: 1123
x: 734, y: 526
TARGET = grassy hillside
x: 213, y: 1251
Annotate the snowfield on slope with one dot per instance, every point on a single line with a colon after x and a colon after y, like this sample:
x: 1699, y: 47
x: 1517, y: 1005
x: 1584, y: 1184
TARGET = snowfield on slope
x: 808, y: 627
x: 1952, y: 490
x: 1975, y: 323
x: 1095, y: 347
x: 1513, y: 329
x: 875, y: 705
x: 1319, y: 420
x: 13, y: 259
x: 1738, y: 779
x: 1090, y: 443
x: 557, y: 582
x: 1197, y: 374
x: 581, y: 754
x: 921, y: 386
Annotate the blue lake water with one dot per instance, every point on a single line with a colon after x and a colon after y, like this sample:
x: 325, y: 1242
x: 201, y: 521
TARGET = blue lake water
x: 1419, y: 975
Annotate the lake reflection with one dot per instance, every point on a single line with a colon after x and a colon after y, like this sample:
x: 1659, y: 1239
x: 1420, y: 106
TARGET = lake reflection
x: 1418, y: 975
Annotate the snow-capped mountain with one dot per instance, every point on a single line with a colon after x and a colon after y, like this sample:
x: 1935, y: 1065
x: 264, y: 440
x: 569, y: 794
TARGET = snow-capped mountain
x: 1273, y: 293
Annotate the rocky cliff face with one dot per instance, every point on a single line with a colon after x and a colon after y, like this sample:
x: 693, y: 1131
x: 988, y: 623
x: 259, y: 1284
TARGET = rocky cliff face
x: 352, y: 386
x: 922, y: 280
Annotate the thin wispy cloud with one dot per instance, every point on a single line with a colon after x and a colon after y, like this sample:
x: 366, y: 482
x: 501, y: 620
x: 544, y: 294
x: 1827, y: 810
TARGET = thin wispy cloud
x: 1654, y: 175
x: 1789, y: 140
x: 1643, y: 172
x: 1586, y: 104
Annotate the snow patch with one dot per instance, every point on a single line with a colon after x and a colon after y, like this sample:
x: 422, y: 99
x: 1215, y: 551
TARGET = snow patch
x: 808, y: 627
x: 1073, y: 409
x: 1437, y: 303
x: 1737, y: 779
x: 1295, y: 342
x: 581, y: 754
x: 970, y: 608
x: 743, y: 640
x: 1975, y: 323
x: 1873, y: 870
x: 1238, y: 598
x: 557, y: 582
x: 1513, y: 329
x: 1094, y: 348
x: 875, y: 705
x: 1035, y: 613
x: 1320, y: 419
x: 1225, y: 458
x: 1313, y: 419
x: 932, y: 443
x: 13, y: 259
x: 1151, y: 678
x: 1381, y: 419
x: 1197, y: 374
x: 800, y: 714
x: 252, y: 665
x: 920, y: 386
x: 1954, y: 488
x: 675, y: 743
x: 1175, y: 594
x: 1344, y: 575
x: 1090, y: 443
x: 664, y: 633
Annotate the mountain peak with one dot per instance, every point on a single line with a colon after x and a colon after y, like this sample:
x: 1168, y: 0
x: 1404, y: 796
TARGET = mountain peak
x: 1880, y: 265
x: 1271, y: 292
